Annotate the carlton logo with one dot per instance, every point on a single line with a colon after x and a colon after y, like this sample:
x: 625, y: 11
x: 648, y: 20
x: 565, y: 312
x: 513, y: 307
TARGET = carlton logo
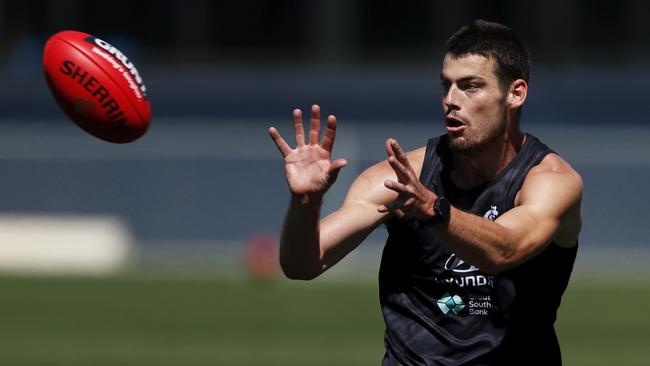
x: 492, y: 213
x: 458, y: 265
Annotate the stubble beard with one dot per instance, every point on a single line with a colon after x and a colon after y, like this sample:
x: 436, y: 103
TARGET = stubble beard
x: 479, y: 142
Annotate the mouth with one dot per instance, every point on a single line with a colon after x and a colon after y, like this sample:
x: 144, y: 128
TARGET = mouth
x: 454, y: 125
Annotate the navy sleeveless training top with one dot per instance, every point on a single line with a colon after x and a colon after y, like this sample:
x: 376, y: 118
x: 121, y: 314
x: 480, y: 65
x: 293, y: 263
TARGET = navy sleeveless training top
x: 440, y: 310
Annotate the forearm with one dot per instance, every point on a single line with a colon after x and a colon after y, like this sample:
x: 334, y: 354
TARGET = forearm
x: 299, y: 242
x: 545, y: 199
x: 480, y: 242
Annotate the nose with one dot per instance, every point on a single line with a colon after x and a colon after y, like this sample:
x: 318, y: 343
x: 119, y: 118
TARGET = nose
x: 450, y: 98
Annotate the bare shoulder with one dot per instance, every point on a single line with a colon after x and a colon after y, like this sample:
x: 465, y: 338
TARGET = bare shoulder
x: 554, y: 187
x: 369, y: 185
x: 554, y: 173
x: 553, y: 163
x: 553, y: 170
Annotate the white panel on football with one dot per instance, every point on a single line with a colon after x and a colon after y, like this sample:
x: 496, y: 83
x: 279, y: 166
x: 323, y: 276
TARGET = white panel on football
x: 61, y: 244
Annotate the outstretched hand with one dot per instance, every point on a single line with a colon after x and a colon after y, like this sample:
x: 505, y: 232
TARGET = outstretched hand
x: 308, y: 167
x: 413, y: 197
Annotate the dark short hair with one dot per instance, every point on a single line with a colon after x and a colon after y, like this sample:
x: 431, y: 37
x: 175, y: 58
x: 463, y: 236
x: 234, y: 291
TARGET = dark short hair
x: 493, y: 40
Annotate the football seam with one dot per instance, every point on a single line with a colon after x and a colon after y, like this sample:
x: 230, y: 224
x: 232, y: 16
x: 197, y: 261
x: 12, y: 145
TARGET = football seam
x: 142, y: 122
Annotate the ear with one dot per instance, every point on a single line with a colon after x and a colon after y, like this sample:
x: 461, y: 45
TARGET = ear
x: 517, y: 93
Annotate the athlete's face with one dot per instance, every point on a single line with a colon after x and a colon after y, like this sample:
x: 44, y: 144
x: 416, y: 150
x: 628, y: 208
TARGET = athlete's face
x: 473, y: 101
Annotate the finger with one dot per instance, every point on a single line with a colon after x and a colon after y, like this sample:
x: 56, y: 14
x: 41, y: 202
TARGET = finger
x: 338, y: 164
x: 400, y: 170
x: 403, y: 204
x: 389, y: 147
x: 336, y: 167
x: 382, y: 209
x: 409, y: 202
x: 298, y: 128
x: 398, y: 152
x: 394, y: 150
x: 397, y: 204
x: 314, y: 129
x: 330, y: 133
x: 282, y: 145
x: 398, y: 187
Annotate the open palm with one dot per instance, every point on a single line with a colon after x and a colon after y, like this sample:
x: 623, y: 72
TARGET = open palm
x: 308, y: 167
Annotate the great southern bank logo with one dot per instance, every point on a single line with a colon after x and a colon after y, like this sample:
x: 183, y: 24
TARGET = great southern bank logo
x: 449, y: 303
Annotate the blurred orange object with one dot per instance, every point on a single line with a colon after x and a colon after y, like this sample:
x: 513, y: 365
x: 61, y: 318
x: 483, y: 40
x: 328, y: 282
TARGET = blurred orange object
x: 261, y: 257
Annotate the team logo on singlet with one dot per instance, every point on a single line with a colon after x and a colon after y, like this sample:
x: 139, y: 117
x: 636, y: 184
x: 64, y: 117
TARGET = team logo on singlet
x: 474, y: 304
x: 492, y: 213
x: 458, y: 265
x: 449, y: 303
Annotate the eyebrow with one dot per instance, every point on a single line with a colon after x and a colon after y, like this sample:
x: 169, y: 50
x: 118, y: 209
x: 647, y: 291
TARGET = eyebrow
x: 463, y: 79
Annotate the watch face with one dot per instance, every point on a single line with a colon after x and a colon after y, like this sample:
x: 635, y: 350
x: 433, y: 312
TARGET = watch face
x: 443, y: 207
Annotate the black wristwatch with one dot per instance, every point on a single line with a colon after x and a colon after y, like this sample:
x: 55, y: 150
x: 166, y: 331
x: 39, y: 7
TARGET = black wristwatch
x: 441, y: 209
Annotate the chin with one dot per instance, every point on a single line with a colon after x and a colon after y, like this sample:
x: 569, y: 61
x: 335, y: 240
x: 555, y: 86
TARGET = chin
x: 462, y: 145
x: 457, y: 143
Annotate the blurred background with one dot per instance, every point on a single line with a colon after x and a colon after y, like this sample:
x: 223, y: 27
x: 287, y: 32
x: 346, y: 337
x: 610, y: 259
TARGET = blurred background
x: 158, y: 251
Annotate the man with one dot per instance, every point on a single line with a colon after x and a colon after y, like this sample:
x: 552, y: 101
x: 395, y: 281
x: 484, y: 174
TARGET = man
x: 483, y: 221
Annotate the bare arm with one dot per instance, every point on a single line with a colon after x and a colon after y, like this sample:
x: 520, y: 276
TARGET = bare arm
x: 307, y: 247
x: 548, y: 209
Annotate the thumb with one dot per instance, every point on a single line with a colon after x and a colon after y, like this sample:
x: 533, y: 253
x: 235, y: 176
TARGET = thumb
x: 338, y: 164
x: 336, y: 167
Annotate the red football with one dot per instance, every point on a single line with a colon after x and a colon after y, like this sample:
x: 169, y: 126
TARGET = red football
x: 97, y: 86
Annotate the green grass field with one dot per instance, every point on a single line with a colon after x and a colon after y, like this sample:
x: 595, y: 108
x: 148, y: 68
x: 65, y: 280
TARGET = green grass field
x: 143, y: 319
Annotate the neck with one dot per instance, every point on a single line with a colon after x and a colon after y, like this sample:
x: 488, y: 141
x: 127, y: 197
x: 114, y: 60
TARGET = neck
x: 471, y: 170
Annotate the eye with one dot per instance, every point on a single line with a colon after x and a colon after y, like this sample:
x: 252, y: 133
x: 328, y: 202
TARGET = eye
x: 471, y: 87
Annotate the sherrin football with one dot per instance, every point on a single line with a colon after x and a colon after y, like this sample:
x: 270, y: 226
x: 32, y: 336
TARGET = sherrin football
x: 97, y: 86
